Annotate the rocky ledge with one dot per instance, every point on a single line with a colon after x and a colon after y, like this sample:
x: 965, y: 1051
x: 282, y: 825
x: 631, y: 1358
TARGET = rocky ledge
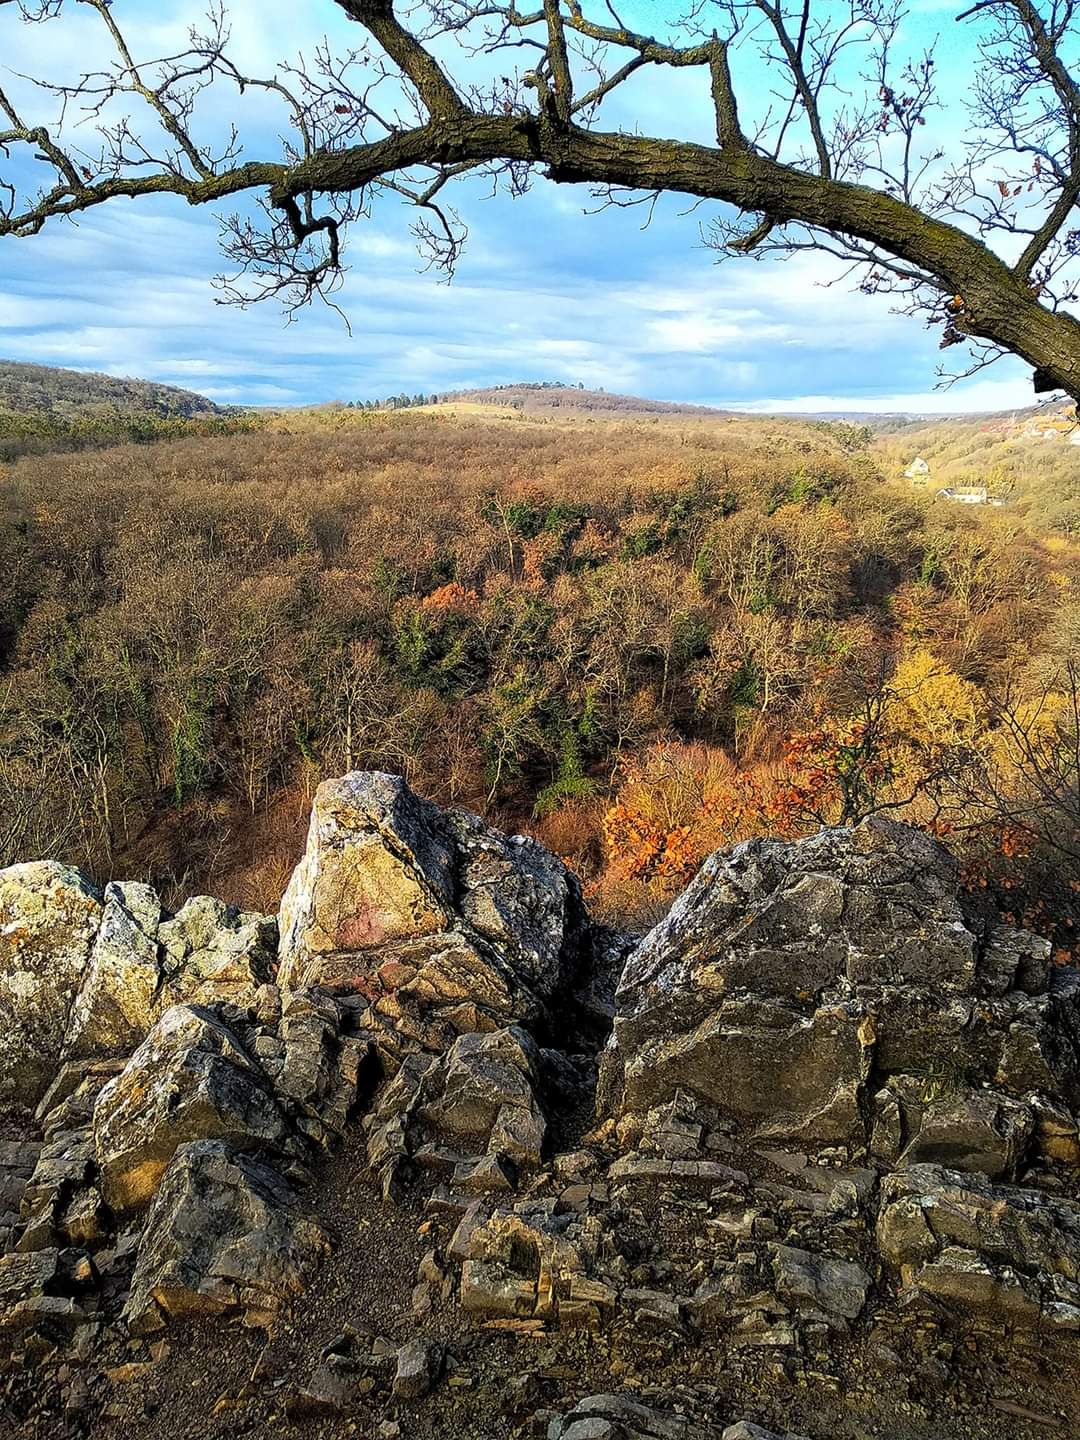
x: 804, y: 1157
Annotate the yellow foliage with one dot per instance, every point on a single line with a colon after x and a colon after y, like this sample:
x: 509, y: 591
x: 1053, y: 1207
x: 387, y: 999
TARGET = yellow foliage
x: 932, y: 706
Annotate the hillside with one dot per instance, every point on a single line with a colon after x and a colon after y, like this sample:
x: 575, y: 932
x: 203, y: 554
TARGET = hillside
x: 68, y: 393
x: 550, y: 398
x: 641, y: 640
x: 43, y: 409
x: 1030, y: 458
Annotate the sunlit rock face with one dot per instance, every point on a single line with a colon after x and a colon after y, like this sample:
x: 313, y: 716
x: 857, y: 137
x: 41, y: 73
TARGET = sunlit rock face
x: 438, y: 920
x: 144, y: 960
x: 49, y: 918
x: 837, y: 989
x: 378, y: 868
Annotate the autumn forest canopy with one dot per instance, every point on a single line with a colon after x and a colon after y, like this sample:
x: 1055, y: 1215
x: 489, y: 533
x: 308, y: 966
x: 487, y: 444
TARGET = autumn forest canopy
x: 644, y: 632
x: 641, y: 638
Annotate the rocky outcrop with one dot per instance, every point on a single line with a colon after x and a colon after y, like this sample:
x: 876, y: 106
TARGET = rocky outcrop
x: 836, y: 990
x: 473, y: 1113
x: 190, y: 1079
x: 1002, y: 1251
x: 224, y: 1233
x: 444, y: 925
x: 49, y: 916
x: 835, y: 1130
x: 145, y: 961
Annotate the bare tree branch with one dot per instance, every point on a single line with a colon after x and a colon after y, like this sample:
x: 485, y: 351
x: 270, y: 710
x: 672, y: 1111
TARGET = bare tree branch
x: 821, y: 142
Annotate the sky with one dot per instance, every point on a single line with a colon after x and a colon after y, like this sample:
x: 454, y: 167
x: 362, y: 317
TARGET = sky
x: 547, y: 289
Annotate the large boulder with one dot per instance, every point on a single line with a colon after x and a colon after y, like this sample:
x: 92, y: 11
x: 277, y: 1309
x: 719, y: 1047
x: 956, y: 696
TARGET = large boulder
x: 190, y: 1079
x: 224, y: 1234
x: 519, y: 897
x: 378, y: 867
x: 145, y: 961
x: 117, y: 1000
x: 49, y: 918
x: 839, y: 989
x: 445, y: 926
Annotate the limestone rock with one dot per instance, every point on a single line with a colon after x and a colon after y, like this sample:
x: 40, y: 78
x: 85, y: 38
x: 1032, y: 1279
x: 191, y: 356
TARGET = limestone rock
x: 525, y: 1264
x: 521, y: 898
x: 746, y: 920
x: 982, y: 1132
x: 314, y: 1065
x: 622, y: 1417
x: 38, y: 1289
x: 190, y: 1079
x: 445, y: 926
x: 418, y: 1366
x: 485, y: 1090
x: 49, y: 917
x: 835, y: 1288
x: 117, y: 1001
x: 481, y: 1097
x: 791, y: 974
x: 215, y: 953
x: 1002, y: 1251
x: 145, y: 961
x: 17, y: 1161
x: 378, y: 868
x: 744, y: 1430
x: 223, y: 1234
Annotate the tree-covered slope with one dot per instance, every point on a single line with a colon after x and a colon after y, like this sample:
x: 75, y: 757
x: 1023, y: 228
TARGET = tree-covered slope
x: 66, y: 394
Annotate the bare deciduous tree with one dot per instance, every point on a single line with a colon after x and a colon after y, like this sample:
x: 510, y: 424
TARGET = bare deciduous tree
x: 825, y: 135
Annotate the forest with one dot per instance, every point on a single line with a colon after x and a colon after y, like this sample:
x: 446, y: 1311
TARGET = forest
x: 639, y: 638
x: 43, y: 408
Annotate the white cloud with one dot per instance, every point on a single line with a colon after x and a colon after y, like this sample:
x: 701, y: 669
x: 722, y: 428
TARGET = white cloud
x: 981, y: 395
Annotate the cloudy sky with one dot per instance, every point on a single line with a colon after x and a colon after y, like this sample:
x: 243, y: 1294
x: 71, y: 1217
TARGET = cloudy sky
x: 546, y: 289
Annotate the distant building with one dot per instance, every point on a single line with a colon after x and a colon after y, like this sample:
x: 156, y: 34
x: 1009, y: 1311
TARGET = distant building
x: 969, y: 495
x: 918, y: 472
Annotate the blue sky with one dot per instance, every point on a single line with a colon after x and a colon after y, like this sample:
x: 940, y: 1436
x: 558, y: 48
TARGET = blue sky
x: 545, y: 290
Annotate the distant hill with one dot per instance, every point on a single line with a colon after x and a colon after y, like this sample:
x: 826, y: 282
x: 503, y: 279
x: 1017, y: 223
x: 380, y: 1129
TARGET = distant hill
x: 69, y: 394
x: 551, y: 397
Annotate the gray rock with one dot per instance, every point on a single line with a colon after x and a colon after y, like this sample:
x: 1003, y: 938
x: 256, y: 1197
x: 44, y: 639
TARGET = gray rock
x: 36, y: 1289
x: 485, y: 1089
x: 117, y: 1000
x: 378, y: 868
x: 835, y: 1288
x: 981, y: 1132
x: 789, y: 975
x: 317, y: 1072
x: 520, y: 897
x: 1007, y: 1252
x: 223, y: 1234
x: 418, y: 1366
x: 143, y: 962
x: 49, y: 918
x: 623, y: 1417
x: 744, y: 1430
x: 190, y: 1079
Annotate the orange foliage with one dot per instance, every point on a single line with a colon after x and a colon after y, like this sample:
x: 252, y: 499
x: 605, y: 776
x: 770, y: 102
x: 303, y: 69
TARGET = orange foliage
x: 451, y: 600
